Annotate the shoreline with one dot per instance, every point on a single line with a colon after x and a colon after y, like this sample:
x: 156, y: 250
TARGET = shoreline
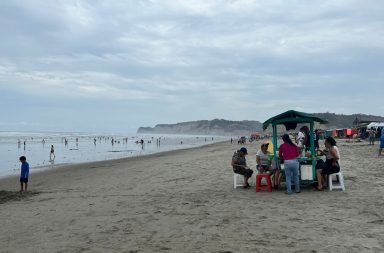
x: 184, y: 201
x: 46, y: 169
x: 72, y: 148
x: 49, y: 166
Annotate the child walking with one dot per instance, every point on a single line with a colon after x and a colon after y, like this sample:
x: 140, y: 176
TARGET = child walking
x: 24, y: 174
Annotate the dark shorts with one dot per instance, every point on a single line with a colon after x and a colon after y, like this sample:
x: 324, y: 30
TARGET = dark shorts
x: 263, y: 168
x: 328, y: 168
x: 243, y: 171
x: 23, y: 180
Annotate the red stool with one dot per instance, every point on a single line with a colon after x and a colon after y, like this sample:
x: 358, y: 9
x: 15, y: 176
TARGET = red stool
x: 259, y: 186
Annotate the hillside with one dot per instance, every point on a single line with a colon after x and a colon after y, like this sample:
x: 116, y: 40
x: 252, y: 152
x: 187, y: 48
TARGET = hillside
x: 205, y: 127
x: 344, y: 121
x: 245, y: 127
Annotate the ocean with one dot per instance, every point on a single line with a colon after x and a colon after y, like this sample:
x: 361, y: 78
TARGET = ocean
x: 71, y: 148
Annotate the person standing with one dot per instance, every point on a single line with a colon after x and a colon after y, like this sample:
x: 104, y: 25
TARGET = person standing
x: 300, y: 138
x: 381, y: 141
x: 24, y: 174
x: 316, y: 139
x: 52, y: 154
x: 372, y: 136
x: 289, y: 152
x: 307, y: 139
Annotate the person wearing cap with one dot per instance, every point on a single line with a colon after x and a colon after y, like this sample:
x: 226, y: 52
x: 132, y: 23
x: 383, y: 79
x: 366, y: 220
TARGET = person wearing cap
x: 264, y: 164
x: 262, y: 159
x: 239, y: 165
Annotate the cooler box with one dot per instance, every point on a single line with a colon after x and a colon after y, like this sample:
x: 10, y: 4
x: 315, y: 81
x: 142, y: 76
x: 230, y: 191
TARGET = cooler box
x: 306, y: 172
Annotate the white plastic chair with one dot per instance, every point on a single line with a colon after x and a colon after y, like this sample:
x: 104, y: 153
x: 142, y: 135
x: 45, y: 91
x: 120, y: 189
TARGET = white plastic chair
x: 237, y: 177
x: 235, y: 184
x: 341, y: 181
x: 336, y: 175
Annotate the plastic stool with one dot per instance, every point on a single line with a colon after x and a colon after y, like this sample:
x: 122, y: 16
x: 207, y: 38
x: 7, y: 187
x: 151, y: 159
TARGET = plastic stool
x: 259, y: 186
x: 341, y: 180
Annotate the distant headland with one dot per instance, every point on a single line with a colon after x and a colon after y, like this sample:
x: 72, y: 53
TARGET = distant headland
x: 227, y: 127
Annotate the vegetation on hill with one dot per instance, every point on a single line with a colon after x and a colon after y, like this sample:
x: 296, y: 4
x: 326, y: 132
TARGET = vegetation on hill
x: 245, y: 127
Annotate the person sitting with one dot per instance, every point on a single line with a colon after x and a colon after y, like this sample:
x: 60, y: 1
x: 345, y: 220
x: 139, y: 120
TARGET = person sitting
x: 262, y: 159
x: 331, y: 164
x: 239, y: 165
x: 264, y: 164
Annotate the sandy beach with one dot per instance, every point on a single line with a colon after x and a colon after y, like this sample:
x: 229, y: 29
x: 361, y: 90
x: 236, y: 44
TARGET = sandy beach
x: 184, y: 201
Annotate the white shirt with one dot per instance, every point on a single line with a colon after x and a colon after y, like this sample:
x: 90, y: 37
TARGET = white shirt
x: 300, y: 139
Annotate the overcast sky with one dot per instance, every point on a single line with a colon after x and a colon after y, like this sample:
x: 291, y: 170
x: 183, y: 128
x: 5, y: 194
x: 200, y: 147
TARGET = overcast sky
x: 114, y: 66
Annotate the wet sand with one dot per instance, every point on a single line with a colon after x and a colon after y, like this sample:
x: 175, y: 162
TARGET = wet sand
x: 184, y: 201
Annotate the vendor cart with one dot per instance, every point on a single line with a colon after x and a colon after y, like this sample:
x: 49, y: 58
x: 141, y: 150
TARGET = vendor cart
x: 290, y: 119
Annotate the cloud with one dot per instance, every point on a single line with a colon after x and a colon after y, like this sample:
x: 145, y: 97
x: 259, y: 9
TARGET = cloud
x: 214, y: 59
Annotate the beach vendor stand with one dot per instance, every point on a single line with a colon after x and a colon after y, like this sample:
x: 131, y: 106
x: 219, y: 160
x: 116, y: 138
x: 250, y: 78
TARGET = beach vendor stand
x: 290, y: 119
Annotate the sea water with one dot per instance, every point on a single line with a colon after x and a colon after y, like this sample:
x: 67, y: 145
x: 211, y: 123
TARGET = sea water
x: 73, y: 148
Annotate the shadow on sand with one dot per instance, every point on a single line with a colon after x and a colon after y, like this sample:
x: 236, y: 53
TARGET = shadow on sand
x: 6, y: 196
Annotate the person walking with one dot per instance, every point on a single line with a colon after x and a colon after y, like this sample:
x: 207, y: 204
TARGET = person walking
x: 289, y: 152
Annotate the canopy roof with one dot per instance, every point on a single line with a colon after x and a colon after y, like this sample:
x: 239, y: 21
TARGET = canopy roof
x: 290, y: 119
x: 375, y: 125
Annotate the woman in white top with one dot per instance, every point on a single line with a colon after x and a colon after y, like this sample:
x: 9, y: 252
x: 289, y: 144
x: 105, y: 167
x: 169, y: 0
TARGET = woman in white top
x: 264, y: 164
x: 300, y: 138
x: 331, y: 164
x: 262, y: 159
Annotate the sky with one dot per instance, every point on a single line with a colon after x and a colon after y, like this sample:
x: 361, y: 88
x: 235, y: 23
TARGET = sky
x: 113, y: 66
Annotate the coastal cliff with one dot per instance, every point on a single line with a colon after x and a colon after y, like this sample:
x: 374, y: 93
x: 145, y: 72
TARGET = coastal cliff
x: 226, y: 127
x: 206, y: 127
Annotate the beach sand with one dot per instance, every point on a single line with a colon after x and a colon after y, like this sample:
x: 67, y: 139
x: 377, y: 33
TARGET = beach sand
x: 184, y: 201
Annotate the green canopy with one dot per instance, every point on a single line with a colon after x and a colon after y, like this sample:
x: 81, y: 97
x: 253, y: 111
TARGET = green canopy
x: 290, y: 119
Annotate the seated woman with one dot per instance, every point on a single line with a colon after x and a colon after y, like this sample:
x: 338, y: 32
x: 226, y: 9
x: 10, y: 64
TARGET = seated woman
x: 262, y: 159
x: 264, y: 163
x: 331, y: 164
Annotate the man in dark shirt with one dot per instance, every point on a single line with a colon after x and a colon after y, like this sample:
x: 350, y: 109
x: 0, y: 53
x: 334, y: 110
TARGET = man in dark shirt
x: 239, y: 165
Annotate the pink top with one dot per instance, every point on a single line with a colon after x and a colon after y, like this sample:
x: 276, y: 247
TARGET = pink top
x: 288, y: 152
